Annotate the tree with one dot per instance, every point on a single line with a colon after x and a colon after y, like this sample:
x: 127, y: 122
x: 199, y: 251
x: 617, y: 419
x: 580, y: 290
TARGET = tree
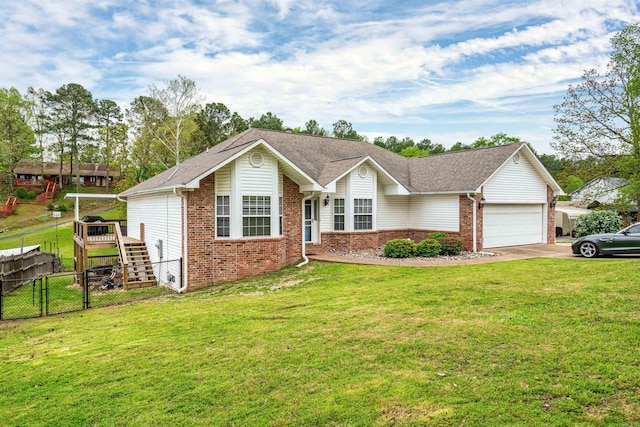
x: 344, y: 129
x: 215, y: 124
x: 313, y: 128
x: 116, y: 153
x: 147, y: 117
x: 267, y: 121
x: 397, y: 145
x: 413, y: 151
x: 108, y: 116
x: 16, y: 137
x: 38, y: 110
x: 212, y: 123
x: 180, y: 100
x: 459, y: 146
x: 429, y: 146
x: 379, y: 141
x: 572, y: 184
x: 600, y: 116
x: 237, y: 124
x: 73, y: 112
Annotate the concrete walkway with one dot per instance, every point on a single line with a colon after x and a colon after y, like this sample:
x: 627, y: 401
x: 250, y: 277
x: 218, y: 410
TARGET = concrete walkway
x: 502, y: 254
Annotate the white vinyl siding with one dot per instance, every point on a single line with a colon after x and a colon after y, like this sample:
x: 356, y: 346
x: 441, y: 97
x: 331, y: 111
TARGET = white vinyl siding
x: 254, y: 179
x: 223, y: 181
x: 360, y: 186
x: 161, y: 215
x: 516, y: 183
x: 393, y: 211
x: 257, y: 181
x: 436, y: 212
x: 512, y: 225
x: 363, y: 187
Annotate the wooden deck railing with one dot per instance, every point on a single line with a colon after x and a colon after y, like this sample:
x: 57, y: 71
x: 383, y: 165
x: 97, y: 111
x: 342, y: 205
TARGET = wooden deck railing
x: 124, y: 261
x: 98, y: 233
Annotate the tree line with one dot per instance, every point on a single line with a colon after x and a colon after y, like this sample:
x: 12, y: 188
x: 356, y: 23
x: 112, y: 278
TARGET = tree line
x: 155, y: 132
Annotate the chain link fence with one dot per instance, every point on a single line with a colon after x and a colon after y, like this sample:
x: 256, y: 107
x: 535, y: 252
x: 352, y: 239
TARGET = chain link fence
x: 97, y: 287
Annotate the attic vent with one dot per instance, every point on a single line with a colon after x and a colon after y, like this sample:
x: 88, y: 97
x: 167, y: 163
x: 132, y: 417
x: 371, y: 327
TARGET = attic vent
x: 516, y: 158
x: 363, y: 172
x: 256, y: 159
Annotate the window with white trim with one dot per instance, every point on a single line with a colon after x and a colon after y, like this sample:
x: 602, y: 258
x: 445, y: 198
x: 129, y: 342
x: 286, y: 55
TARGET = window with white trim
x: 256, y: 216
x: 223, y: 216
x: 362, y: 214
x: 338, y: 214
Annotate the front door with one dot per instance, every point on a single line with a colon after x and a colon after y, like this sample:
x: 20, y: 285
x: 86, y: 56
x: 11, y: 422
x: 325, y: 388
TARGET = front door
x: 311, y: 220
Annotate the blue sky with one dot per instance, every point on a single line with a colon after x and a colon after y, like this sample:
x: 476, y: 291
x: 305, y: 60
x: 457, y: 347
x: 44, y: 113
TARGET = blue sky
x: 444, y: 70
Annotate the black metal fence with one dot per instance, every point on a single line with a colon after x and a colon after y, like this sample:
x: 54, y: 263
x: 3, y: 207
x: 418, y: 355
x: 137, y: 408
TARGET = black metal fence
x: 96, y: 287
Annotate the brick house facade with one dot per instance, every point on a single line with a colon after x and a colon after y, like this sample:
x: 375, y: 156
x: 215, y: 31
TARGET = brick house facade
x: 303, y: 181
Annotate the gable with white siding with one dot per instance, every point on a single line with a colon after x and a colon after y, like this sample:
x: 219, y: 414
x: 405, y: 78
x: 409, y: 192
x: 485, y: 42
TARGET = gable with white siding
x: 516, y: 182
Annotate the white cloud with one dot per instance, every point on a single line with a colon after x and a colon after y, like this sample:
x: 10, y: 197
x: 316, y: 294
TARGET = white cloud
x: 323, y: 59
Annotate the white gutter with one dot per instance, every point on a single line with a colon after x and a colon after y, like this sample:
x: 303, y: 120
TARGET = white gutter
x: 185, y: 240
x: 304, y: 243
x: 475, y: 232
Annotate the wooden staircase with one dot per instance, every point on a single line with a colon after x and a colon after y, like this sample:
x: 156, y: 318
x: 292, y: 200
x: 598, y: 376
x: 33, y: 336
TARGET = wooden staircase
x: 139, y: 271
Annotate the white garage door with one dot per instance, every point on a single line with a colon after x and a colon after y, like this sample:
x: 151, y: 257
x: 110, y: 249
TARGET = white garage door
x: 512, y: 225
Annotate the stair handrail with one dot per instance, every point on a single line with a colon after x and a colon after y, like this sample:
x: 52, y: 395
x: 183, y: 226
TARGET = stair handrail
x: 122, y: 252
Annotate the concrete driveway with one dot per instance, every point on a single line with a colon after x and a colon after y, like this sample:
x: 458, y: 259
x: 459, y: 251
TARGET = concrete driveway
x: 499, y: 254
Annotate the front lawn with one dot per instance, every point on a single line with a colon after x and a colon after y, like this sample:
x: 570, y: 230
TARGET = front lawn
x: 532, y: 342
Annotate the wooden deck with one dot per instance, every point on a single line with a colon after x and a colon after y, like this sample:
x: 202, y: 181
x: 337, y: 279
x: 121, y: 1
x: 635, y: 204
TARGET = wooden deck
x: 132, y: 254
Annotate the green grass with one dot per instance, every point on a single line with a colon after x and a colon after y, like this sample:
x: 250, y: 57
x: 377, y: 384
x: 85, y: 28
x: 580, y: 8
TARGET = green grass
x: 532, y: 342
x: 64, y: 295
x: 63, y: 235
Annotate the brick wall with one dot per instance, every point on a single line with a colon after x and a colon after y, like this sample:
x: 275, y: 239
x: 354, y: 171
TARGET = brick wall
x: 466, y: 222
x: 214, y: 261
x: 200, y: 232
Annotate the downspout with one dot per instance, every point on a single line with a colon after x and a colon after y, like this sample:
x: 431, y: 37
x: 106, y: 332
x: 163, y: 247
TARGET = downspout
x: 304, y: 243
x: 475, y: 233
x: 185, y: 240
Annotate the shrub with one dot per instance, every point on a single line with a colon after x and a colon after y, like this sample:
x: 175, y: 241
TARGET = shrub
x: 62, y: 207
x: 429, y: 248
x: 399, y: 248
x: 438, y: 235
x: 50, y: 206
x: 450, y: 246
x: 596, y: 222
x: 31, y: 195
x: 21, y: 193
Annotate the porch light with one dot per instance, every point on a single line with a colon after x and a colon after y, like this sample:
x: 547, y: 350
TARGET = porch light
x: 553, y: 202
x: 327, y: 200
x: 481, y: 203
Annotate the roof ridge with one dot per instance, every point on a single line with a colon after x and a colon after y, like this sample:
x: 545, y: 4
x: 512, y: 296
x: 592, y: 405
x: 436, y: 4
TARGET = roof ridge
x: 469, y: 150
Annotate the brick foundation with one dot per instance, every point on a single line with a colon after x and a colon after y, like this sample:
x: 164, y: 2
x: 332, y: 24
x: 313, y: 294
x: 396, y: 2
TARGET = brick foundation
x: 353, y: 241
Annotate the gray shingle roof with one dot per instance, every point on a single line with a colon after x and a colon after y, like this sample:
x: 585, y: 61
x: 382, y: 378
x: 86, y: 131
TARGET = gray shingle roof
x: 324, y: 159
x: 463, y: 171
x: 33, y: 167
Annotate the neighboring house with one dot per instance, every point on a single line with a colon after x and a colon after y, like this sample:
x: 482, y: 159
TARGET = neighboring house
x: 28, y: 173
x: 603, y: 190
x: 567, y: 212
x: 264, y: 199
